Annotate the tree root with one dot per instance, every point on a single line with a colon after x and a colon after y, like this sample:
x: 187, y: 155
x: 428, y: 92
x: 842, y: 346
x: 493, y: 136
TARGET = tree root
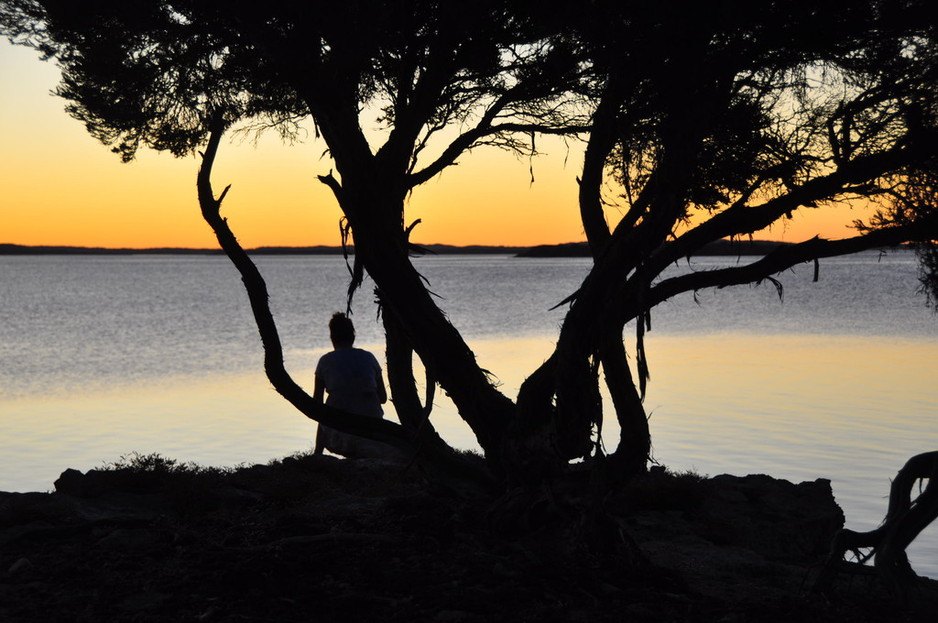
x: 886, y: 545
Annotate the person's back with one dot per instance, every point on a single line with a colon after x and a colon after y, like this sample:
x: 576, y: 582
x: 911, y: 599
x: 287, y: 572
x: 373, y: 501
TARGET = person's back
x: 350, y: 377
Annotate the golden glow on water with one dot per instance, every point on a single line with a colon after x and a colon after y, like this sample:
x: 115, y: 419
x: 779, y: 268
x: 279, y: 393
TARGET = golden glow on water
x: 795, y: 406
x: 851, y: 409
x: 61, y: 187
x: 201, y: 420
x: 839, y: 391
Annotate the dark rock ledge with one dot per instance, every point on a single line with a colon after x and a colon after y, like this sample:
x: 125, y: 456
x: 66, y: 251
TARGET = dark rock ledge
x: 319, y: 539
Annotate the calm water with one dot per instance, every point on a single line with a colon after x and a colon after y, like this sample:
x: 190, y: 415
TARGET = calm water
x: 102, y: 356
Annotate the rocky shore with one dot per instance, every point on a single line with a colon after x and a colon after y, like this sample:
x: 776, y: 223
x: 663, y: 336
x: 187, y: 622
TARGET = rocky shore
x: 322, y: 539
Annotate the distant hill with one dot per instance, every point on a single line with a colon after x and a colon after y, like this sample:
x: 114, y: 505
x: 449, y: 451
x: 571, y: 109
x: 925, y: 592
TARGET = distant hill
x: 720, y: 247
x: 568, y: 249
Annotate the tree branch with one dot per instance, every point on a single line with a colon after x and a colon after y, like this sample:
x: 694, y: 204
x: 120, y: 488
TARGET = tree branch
x: 602, y: 139
x: 466, y: 141
x: 744, y: 219
x: 782, y: 259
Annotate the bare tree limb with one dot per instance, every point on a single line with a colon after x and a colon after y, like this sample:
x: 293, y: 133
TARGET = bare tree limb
x: 468, y: 139
x: 744, y: 219
x: 780, y: 260
x: 904, y: 521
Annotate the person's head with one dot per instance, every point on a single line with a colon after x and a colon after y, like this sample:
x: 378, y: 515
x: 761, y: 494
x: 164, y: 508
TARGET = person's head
x: 341, y: 331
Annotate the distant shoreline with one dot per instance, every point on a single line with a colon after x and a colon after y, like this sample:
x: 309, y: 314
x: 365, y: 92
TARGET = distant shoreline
x: 440, y: 249
x: 720, y: 247
x: 572, y: 249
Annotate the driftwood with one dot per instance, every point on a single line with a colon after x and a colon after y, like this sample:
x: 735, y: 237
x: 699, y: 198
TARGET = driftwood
x: 886, y: 545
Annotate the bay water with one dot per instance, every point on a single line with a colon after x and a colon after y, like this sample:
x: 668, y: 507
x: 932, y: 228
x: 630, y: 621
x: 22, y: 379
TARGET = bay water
x: 103, y: 356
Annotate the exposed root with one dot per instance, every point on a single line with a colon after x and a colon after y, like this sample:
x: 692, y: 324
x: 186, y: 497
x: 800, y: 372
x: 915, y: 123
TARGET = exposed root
x: 886, y: 545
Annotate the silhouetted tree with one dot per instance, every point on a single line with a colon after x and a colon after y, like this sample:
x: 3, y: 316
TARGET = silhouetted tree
x: 702, y: 121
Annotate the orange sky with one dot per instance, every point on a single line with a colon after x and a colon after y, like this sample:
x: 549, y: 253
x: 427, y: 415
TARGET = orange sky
x: 58, y: 186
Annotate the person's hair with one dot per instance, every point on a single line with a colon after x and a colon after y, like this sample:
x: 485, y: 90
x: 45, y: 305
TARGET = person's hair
x: 341, y: 330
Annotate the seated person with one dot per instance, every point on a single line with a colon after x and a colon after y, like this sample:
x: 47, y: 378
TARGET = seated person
x: 353, y: 381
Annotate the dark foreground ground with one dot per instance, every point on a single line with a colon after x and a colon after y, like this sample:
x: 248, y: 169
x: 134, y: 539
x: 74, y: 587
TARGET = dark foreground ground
x: 320, y: 539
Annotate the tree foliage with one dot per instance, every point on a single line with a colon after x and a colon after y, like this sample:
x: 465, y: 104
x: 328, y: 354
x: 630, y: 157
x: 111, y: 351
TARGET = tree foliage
x: 701, y: 121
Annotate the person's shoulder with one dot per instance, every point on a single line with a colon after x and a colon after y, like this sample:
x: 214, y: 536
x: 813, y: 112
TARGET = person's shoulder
x: 326, y: 358
x: 367, y: 354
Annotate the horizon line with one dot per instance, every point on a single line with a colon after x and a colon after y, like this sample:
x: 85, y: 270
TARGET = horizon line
x: 14, y: 245
x: 567, y: 249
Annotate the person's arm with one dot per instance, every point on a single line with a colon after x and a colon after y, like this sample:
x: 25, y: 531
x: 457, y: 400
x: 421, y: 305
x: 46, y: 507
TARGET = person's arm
x: 382, y: 392
x: 319, y: 390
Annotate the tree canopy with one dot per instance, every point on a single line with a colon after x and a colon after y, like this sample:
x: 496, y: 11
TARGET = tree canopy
x: 701, y: 121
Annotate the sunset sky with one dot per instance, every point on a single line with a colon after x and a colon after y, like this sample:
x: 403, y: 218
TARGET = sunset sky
x: 61, y: 187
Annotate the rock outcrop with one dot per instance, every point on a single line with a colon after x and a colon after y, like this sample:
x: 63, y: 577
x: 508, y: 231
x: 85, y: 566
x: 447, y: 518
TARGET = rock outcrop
x: 316, y: 537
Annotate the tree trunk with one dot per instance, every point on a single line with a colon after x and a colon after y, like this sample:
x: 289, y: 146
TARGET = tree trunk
x: 373, y: 202
x: 440, y: 346
x: 631, y: 455
x: 414, y: 415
